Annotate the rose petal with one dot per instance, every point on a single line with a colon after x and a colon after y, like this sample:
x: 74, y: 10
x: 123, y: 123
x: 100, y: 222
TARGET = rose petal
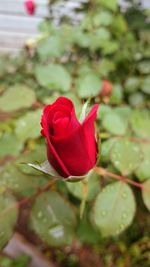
x: 78, y: 149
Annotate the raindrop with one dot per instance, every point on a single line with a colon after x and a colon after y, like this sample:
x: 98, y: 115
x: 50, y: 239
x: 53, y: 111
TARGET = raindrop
x: 57, y: 231
x: 124, y: 195
x: 40, y: 214
x: 117, y: 231
x: 104, y: 212
x: 1, y: 234
x: 121, y: 226
x: 124, y: 215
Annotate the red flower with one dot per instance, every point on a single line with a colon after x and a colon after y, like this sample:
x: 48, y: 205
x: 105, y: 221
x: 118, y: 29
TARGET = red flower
x: 30, y: 7
x: 106, y: 88
x: 71, y: 145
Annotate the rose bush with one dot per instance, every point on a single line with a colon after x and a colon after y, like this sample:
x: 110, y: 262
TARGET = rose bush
x: 71, y: 145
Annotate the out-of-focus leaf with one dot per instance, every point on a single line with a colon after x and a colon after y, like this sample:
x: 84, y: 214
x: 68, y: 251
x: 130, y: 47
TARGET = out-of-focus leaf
x: 8, y: 217
x: 10, y: 145
x: 117, y: 94
x: 17, y: 97
x: 88, y: 86
x: 102, y: 18
x: 115, y: 124
x: 146, y: 194
x: 106, y: 148
x: 140, y: 123
x: 137, y: 99
x: 28, y: 126
x: 112, y: 5
x: 12, y: 178
x: 132, y: 84
x: 52, y: 46
x: 146, y: 85
x: 53, y: 77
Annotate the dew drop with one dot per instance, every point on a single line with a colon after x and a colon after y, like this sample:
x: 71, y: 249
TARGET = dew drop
x: 104, y: 213
x: 124, y: 215
x: 1, y: 234
x: 121, y: 226
x: 57, y: 231
x: 117, y: 231
x: 124, y: 195
x: 40, y: 214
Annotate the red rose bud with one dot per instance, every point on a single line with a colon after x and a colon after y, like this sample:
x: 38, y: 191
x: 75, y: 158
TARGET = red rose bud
x: 71, y: 145
x: 106, y: 88
x: 30, y: 7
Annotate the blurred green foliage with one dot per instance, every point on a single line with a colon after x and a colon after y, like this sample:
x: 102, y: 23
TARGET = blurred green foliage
x: 74, y: 60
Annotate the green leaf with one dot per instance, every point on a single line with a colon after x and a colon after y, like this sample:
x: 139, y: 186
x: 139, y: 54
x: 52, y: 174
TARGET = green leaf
x: 91, y: 182
x: 114, y: 209
x: 8, y: 217
x: 132, y: 84
x: 146, y: 194
x: 106, y: 148
x: 137, y: 99
x: 28, y: 126
x: 53, y: 77
x: 102, y: 18
x: 140, y: 123
x: 110, y: 47
x: 124, y: 111
x: 88, y: 85
x: 17, y: 97
x: 103, y: 34
x: 114, y: 123
x: 146, y: 85
x: 10, y: 145
x: 81, y: 38
x: 143, y: 171
x: 144, y: 67
x: 105, y: 67
x: 126, y: 156
x: 12, y: 178
x: 53, y: 219
x: 117, y: 94
x: 53, y: 46
x: 103, y: 110
x: 112, y: 5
